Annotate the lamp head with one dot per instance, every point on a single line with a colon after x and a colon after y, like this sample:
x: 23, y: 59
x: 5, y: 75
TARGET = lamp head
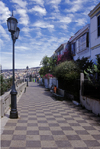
x: 12, y: 24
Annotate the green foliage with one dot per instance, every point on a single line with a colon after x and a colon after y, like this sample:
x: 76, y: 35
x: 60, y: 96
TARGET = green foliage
x: 83, y: 63
x: 43, y: 70
x: 52, y: 64
x: 48, y: 65
x: 91, y: 74
x: 98, y: 63
x: 45, y: 61
x: 5, y: 84
x: 67, y: 70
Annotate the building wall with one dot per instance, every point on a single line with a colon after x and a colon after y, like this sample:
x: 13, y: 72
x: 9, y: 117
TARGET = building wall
x: 94, y: 40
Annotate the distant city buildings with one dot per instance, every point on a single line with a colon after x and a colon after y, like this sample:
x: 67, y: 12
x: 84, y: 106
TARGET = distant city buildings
x: 21, y: 73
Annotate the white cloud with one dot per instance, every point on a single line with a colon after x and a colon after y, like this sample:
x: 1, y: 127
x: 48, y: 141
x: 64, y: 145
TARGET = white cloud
x: 20, y: 3
x: 21, y: 9
x: 1, y: 43
x: 65, y: 19
x: 4, y: 12
x: 25, y: 29
x: 22, y: 48
x: 86, y: 11
x: 54, y: 4
x: 81, y: 22
x: 64, y: 26
x: 6, y: 60
x: 39, y: 24
x: 3, y: 33
x: 39, y: 2
x: 75, y: 5
x: 38, y: 9
x: 24, y: 18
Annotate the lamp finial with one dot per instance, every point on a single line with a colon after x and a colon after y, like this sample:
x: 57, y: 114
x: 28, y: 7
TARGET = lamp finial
x: 12, y: 12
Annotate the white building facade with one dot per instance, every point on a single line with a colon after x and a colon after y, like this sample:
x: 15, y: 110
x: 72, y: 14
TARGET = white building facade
x: 80, y: 46
x: 95, y: 32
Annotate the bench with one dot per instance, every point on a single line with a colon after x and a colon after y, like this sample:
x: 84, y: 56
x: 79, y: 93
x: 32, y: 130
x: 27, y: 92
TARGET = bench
x: 59, y: 94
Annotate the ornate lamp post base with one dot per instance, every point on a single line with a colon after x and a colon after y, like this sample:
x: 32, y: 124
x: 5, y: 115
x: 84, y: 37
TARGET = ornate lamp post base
x: 13, y: 112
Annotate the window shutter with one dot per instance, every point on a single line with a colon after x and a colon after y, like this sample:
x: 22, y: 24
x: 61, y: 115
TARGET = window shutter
x: 98, y: 25
x: 87, y: 39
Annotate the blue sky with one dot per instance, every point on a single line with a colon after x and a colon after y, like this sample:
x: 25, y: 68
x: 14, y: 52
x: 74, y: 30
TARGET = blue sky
x: 44, y: 26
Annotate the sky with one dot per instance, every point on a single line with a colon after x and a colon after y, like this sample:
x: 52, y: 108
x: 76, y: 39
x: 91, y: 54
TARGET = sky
x: 44, y: 26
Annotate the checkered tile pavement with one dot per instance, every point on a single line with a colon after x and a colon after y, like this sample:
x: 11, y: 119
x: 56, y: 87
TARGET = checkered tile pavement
x: 45, y: 123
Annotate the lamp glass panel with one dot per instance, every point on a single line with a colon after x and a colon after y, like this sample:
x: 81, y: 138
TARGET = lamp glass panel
x: 13, y: 25
x: 8, y: 24
x: 16, y: 34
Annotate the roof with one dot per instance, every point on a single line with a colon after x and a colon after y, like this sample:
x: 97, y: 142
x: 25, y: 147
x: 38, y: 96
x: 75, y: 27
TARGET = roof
x: 94, y: 10
x: 80, y: 32
x: 60, y: 47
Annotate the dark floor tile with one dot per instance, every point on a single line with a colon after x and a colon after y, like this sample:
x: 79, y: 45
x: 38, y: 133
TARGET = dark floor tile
x: 51, y: 119
x: 67, y: 128
x: 5, y: 143
x: 31, y: 132
x: 17, y: 148
x: 57, y: 132
x: 32, y: 118
x: 19, y: 137
x: 69, y: 118
x: 81, y: 121
x: 73, y: 137
x: 89, y: 128
x: 44, y: 128
x: 92, y: 143
x: 22, y: 121
x: 21, y: 128
x: 57, y: 116
x: 53, y: 124
x: 42, y: 121
x: 33, y: 144
x: 32, y: 124
x: 95, y: 124
x: 10, y: 124
x: 81, y: 148
x: 49, y: 148
x: 63, y: 144
x: 81, y: 132
x: 8, y: 132
x: 74, y: 124
x: 97, y: 137
x: 61, y: 121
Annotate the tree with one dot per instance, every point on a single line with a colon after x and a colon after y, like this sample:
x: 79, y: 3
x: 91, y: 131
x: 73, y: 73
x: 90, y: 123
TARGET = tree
x: 48, y: 64
x: 45, y: 61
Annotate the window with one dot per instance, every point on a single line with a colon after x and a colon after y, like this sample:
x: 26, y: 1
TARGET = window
x: 87, y: 39
x: 83, y: 42
x: 73, y: 48
x: 98, y: 26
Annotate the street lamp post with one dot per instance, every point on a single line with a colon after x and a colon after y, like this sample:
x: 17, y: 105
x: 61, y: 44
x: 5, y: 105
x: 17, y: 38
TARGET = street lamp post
x: 27, y: 75
x: 12, y: 27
